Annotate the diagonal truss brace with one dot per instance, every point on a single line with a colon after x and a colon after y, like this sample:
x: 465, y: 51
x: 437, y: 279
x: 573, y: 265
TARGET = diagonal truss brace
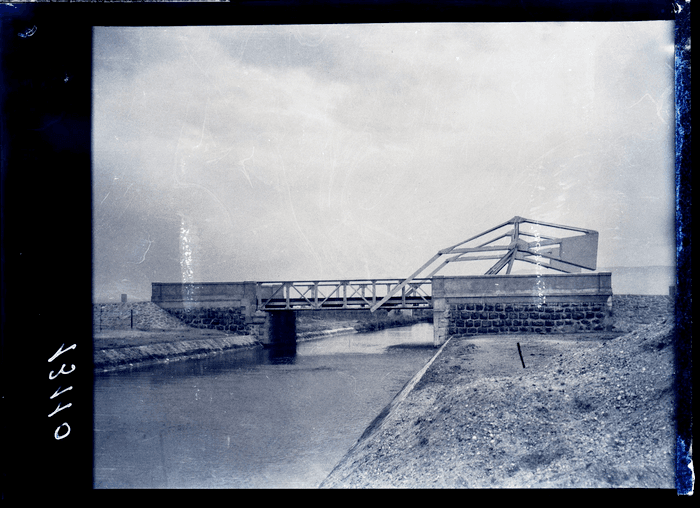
x: 565, y: 254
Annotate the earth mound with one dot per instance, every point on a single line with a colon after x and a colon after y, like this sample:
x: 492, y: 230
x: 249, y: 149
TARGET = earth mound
x: 592, y: 413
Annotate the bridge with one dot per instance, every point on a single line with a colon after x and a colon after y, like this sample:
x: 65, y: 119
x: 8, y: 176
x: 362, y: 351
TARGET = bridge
x: 344, y: 294
x: 569, y: 301
x: 567, y: 254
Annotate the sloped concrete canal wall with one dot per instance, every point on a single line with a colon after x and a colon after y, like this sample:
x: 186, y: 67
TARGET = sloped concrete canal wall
x: 124, y: 357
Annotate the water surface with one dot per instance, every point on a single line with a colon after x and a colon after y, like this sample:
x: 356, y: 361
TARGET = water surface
x: 252, y: 419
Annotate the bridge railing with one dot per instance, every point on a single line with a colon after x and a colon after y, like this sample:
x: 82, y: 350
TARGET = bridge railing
x: 343, y: 294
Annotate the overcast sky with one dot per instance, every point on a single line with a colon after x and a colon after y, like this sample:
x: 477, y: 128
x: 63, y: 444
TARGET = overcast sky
x: 359, y: 151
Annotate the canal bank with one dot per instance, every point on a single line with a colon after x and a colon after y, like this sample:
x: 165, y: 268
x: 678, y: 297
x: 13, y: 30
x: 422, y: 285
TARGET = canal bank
x: 124, y: 357
x: 141, y: 333
x: 531, y: 411
x: 181, y: 348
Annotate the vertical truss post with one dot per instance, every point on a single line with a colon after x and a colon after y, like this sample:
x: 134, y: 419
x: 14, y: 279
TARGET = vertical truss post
x: 374, y: 292
x: 315, y: 290
x: 514, y: 242
x: 345, y: 294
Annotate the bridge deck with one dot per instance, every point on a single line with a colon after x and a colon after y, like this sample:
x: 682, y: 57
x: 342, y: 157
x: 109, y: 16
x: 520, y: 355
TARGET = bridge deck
x: 343, y: 294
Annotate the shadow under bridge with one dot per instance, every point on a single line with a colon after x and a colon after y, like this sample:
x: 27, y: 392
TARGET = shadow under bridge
x: 344, y: 294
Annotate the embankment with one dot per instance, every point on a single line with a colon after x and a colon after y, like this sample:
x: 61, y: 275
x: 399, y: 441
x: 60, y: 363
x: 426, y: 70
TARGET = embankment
x: 125, y: 357
x: 142, y: 333
x: 127, y: 334
x: 132, y: 316
x: 631, y: 311
x: 590, y: 410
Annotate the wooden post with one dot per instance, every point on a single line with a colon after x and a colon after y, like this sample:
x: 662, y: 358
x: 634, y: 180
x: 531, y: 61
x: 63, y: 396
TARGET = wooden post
x: 521, y: 355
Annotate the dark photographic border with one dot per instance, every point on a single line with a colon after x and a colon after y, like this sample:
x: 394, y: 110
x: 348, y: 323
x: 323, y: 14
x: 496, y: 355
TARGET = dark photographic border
x: 45, y: 124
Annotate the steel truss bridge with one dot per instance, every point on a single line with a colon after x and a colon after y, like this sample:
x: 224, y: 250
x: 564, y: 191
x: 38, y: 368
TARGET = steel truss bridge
x: 518, y: 239
x: 344, y: 294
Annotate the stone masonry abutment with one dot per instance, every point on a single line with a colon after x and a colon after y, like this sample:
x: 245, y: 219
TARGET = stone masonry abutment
x: 225, y: 306
x: 508, y: 304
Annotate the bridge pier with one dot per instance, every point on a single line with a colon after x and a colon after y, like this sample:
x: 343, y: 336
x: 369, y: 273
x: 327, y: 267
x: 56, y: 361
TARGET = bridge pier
x: 441, y: 321
x: 274, y: 328
x: 282, y: 328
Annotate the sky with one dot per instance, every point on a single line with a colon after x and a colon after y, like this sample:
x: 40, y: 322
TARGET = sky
x: 319, y: 152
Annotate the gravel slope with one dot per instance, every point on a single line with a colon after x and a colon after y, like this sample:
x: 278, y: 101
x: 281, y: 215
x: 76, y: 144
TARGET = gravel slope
x: 593, y: 411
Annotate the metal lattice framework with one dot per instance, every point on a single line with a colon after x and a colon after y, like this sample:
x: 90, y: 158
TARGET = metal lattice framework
x: 343, y: 294
x: 568, y: 254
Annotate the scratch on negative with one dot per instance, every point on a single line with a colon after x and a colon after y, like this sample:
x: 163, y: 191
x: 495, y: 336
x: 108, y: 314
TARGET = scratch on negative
x: 147, y: 249
x: 243, y: 170
x: 28, y: 32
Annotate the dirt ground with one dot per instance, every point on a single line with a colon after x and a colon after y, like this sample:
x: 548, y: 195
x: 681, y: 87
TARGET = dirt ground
x: 587, y: 411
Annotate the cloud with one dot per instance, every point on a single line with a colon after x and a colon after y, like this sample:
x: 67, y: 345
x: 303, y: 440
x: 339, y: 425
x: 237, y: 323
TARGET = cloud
x: 332, y: 151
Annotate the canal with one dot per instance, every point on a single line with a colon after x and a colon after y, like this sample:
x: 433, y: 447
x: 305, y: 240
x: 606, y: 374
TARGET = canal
x: 249, y: 419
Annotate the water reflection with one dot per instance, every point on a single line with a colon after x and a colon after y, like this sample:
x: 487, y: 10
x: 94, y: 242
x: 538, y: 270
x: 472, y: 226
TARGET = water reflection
x: 281, y: 354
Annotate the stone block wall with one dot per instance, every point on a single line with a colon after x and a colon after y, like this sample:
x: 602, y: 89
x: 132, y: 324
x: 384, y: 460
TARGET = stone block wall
x: 513, y: 304
x: 505, y: 318
x: 224, y: 306
x: 227, y: 319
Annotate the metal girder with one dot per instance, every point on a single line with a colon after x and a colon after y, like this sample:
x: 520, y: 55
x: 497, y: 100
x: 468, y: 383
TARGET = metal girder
x: 567, y: 254
x: 342, y: 294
